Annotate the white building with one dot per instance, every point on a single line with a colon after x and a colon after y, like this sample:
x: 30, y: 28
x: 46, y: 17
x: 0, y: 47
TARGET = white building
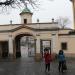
x: 44, y: 35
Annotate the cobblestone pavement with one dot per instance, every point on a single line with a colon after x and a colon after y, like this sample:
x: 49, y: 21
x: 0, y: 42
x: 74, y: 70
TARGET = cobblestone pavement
x: 28, y: 66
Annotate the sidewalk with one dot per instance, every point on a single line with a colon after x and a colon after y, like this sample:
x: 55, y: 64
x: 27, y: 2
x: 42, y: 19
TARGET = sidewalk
x: 29, y: 67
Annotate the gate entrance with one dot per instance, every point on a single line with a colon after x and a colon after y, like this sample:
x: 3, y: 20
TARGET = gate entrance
x: 25, y: 45
x: 45, y: 44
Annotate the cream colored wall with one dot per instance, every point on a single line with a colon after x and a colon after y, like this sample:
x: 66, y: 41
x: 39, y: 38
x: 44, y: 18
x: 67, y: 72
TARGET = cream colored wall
x: 64, y: 31
x: 33, y: 25
x: 4, y: 36
x: 55, y: 43
x: 26, y: 16
x: 23, y: 31
x: 70, y: 44
x: 8, y: 27
x: 43, y: 25
x: 41, y: 36
x: 45, y: 35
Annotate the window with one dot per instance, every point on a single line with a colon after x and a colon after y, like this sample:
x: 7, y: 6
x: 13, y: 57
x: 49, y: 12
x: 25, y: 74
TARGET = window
x: 25, y: 21
x: 64, y: 46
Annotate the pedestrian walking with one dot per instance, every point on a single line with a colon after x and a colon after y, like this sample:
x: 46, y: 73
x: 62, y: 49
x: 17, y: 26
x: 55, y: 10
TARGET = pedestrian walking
x: 62, y: 62
x: 47, y: 59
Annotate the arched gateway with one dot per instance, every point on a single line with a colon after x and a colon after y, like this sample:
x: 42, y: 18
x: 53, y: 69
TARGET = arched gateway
x: 20, y: 35
x: 27, y: 46
x: 10, y: 41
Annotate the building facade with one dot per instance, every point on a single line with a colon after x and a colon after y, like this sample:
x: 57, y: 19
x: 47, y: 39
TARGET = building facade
x: 49, y: 35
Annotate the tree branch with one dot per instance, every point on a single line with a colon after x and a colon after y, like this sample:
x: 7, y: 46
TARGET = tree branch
x: 7, y: 2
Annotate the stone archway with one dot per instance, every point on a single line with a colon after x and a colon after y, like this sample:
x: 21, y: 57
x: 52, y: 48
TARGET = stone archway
x: 17, y: 41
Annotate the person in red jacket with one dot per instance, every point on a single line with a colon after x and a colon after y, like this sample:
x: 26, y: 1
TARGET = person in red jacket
x: 47, y: 58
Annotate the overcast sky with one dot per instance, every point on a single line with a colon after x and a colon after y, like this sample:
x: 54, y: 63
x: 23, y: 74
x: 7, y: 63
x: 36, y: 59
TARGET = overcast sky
x: 47, y: 11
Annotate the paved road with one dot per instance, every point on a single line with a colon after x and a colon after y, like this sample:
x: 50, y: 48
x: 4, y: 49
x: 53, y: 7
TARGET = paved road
x: 28, y: 66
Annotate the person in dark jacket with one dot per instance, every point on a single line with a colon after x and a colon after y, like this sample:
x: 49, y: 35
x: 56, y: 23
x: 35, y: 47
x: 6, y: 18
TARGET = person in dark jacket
x: 61, y: 58
x: 47, y: 57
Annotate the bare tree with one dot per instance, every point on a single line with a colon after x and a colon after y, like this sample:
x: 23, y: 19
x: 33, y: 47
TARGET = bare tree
x: 6, y: 4
x: 63, y: 21
x: 17, y: 2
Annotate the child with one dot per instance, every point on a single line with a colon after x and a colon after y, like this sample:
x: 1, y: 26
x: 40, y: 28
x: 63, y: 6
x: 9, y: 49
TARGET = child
x: 47, y: 57
x: 61, y: 58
